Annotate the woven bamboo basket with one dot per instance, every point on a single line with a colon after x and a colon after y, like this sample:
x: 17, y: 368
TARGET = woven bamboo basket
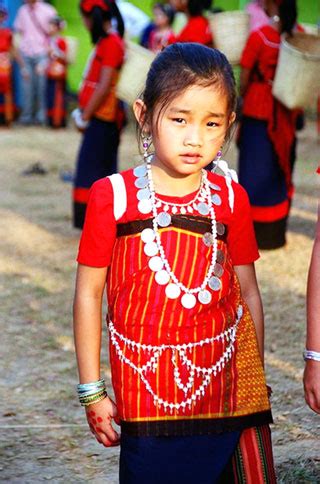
x: 72, y: 49
x: 134, y: 72
x: 296, y: 83
x: 230, y: 32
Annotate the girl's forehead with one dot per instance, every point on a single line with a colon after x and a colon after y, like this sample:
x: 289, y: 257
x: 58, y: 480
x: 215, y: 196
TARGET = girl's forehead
x: 196, y: 97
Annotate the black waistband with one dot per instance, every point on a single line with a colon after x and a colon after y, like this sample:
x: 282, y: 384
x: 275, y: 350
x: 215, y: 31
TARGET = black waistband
x: 193, y: 223
x: 191, y: 426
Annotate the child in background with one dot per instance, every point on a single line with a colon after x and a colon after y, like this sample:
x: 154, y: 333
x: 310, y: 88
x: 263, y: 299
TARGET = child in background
x: 159, y: 34
x: 197, y: 28
x: 175, y: 246
x: 7, y: 54
x: 99, y: 111
x: 57, y: 75
x: 311, y: 377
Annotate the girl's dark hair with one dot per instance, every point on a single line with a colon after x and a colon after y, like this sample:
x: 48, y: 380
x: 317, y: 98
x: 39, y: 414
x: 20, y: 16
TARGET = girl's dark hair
x: 100, y: 16
x: 288, y: 15
x: 180, y: 66
x: 167, y: 10
x: 196, y: 7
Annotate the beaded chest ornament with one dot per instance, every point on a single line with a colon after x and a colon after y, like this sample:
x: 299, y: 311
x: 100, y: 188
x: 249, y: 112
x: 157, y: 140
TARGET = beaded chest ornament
x: 203, y: 203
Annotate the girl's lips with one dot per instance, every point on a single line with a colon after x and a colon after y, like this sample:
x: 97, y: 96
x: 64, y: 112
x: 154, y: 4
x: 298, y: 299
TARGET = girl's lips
x: 191, y: 157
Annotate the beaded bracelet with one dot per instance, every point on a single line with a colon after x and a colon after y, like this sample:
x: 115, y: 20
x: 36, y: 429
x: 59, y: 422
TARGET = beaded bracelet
x: 311, y: 355
x: 93, y: 392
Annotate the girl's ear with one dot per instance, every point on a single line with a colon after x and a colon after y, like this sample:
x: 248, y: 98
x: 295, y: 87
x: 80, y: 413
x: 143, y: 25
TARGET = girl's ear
x: 139, y: 109
x: 232, y: 118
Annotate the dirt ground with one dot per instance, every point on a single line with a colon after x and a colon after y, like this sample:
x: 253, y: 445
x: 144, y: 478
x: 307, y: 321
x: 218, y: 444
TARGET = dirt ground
x: 43, y: 434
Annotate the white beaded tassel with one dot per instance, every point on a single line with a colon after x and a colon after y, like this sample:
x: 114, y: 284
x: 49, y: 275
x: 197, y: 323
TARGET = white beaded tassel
x: 178, y: 352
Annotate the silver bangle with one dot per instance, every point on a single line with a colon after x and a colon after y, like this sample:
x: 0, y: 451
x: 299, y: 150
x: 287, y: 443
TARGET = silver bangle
x: 311, y: 355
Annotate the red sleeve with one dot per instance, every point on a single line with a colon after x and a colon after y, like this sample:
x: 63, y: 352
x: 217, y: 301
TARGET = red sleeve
x: 250, y: 53
x: 241, y: 239
x: 318, y: 170
x: 99, y: 231
x: 110, y: 52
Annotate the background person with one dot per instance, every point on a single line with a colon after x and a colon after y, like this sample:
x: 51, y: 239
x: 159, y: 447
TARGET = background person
x: 32, y: 23
x: 99, y: 113
x: 197, y: 28
x: 267, y: 129
x: 57, y: 75
x: 311, y: 378
x: 158, y: 34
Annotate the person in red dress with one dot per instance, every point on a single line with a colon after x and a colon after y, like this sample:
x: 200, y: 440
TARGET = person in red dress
x: 57, y: 75
x: 8, y: 52
x: 99, y: 110
x: 175, y: 247
x: 197, y: 28
x: 267, y: 129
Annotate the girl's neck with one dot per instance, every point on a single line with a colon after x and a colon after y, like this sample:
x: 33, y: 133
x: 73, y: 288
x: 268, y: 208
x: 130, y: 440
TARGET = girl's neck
x: 174, y: 185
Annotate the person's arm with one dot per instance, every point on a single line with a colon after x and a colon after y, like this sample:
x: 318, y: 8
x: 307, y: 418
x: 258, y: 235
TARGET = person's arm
x: 87, y: 310
x: 244, y: 80
x: 251, y: 295
x: 311, y: 377
x: 100, y: 93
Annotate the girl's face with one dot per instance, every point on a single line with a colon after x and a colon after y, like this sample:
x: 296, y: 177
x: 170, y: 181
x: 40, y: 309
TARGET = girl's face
x: 160, y: 18
x: 191, y: 130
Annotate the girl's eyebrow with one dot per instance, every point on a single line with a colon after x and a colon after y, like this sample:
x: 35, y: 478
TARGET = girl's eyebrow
x: 178, y: 110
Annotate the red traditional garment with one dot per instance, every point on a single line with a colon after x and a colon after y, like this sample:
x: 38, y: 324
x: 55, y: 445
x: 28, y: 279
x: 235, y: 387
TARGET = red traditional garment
x: 196, y: 30
x: 140, y: 312
x: 109, y: 52
x: 261, y: 57
x: 6, y: 96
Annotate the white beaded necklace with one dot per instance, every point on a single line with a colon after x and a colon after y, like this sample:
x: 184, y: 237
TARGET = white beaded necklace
x: 154, y: 246
x: 178, y: 353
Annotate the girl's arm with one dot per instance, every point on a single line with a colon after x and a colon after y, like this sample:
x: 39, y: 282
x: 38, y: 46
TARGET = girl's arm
x: 311, y: 377
x: 100, y: 93
x: 90, y: 285
x: 251, y: 295
x: 15, y: 54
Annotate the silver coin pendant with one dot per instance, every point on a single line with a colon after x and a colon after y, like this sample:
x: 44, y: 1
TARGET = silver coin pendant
x: 173, y: 291
x: 188, y: 301
x: 162, y: 277
x: 164, y: 219
x: 147, y: 235
x: 144, y: 206
x: 139, y: 171
x: 205, y: 296
x: 151, y: 249
x: 215, y: 283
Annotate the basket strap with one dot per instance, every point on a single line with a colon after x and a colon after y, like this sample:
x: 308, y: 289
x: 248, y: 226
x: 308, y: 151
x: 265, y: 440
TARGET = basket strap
x: 119, y: 195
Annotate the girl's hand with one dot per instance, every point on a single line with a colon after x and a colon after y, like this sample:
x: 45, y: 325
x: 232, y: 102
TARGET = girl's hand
x: 99, y: 416
x: 311, y: 381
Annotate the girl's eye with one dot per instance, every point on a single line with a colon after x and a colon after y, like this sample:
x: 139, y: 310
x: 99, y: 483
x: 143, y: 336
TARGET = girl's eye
x: 179, y: 120
x: 212, y: 124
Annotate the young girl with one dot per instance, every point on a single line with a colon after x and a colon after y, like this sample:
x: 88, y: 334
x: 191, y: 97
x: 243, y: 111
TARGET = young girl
x: 159, y: 33
x: 99, y: 108
x: 267, y: 131
x: 197, y: 28
x: 175, y: 246
x: 57, y: 75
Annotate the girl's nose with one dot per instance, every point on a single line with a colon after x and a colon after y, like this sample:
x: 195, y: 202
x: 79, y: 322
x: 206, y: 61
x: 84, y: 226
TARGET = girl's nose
x: 193, y: 138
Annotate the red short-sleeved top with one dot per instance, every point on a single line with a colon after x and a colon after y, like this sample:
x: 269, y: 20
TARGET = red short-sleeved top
x: 99, y: 233
x: 260, y: 56
x: 196, y: 30
x: 5, y: 39
x: 109, y: 52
